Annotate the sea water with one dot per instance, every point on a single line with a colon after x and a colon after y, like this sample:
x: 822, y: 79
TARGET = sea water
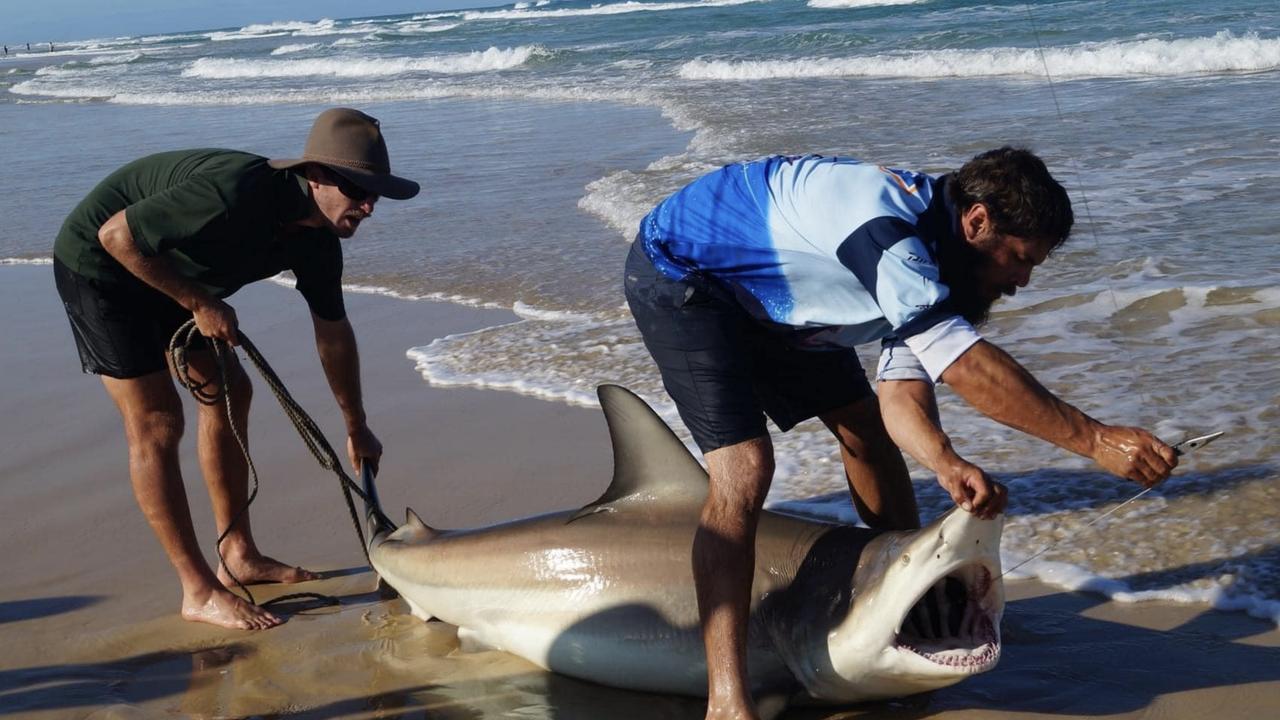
x: 543, y: 131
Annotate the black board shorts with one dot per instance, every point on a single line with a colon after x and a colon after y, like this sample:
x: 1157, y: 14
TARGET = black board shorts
x: 121, y: 331
x: 724, y: 369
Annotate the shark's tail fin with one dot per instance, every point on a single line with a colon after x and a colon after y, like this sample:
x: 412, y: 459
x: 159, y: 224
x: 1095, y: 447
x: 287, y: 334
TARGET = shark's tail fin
x: 376, y: 520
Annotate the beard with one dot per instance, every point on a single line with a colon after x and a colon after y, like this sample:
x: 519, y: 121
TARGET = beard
x: 960, y: 268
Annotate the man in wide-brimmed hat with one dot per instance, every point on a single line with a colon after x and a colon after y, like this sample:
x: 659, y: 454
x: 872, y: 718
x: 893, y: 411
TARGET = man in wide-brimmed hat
x: 165, y: 239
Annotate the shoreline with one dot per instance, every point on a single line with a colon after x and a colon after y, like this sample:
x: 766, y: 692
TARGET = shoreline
x: 90, y: 603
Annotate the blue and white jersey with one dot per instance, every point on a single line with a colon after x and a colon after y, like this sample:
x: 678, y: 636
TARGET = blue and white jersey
x: 842, y: 250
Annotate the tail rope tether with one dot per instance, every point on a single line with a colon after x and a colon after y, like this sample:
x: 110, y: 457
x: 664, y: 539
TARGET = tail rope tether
x: 307, y: 429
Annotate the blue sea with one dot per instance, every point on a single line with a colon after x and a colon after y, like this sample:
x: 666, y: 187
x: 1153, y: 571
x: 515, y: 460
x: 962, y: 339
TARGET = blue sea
x: 543, y: 131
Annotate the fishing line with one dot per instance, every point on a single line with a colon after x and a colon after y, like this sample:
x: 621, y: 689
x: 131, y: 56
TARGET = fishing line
x: 1097, y: 245
x: 1088, y: 525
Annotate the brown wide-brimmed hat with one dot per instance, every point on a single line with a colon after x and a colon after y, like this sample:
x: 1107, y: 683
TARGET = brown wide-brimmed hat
x: 350, y: 143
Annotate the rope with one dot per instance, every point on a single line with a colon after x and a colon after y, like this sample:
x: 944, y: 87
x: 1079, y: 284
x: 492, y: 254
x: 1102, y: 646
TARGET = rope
x: 311, y: 435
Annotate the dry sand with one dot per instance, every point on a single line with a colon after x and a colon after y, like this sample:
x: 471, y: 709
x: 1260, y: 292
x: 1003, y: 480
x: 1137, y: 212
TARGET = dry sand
x: 88, y: 603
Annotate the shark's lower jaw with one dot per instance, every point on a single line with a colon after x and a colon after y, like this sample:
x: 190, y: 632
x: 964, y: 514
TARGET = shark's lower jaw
x: 955, y: 623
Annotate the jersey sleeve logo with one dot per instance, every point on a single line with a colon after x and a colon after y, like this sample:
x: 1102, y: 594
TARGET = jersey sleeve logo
x: 901, y: 178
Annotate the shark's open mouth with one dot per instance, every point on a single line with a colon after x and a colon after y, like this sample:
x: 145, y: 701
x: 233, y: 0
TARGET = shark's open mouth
x: 954, y: 623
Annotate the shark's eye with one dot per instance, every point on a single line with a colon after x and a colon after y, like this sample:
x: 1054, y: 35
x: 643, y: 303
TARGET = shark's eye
x: 906, y: 559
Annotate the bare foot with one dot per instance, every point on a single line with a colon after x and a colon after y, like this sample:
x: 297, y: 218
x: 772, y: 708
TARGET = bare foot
x: 225, y: 609
x: 262, y: 569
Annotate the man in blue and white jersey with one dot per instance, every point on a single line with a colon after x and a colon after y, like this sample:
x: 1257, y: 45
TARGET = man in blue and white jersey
x: 751, y: 287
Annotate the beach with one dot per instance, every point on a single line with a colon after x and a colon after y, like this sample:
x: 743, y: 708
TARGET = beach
x: 89, y: 605
x: 489, y: 308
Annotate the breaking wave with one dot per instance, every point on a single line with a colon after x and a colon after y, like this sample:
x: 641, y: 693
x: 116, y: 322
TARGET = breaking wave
x: 473, y: 62
x: 630, y: 6
x: 1222, y: 53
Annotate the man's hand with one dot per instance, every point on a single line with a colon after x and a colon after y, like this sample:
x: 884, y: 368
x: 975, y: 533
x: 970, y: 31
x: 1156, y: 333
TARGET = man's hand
x: 363, y: 444
x: 217, y: 320
x: 1134, y: 454
x: 972, y: 489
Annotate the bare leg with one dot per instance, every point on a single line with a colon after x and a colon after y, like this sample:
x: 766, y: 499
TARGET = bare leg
x: 877, y: 475
x: 226, y: 476
x: 152, y: 415
x: 724, y: 566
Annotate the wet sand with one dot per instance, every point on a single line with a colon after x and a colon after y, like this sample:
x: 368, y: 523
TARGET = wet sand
x: 88, y: 603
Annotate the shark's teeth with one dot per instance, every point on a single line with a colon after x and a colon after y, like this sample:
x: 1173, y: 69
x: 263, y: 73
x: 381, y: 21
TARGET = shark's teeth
x: 977, y: 658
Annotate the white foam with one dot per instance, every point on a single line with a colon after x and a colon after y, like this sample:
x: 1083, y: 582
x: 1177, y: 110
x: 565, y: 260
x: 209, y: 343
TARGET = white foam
x: 489, y: 60
x: 381, y: 92
x: 121, y: 59
x: 287, y: 280
x: 621, y: 8
x: 289, y: 27
x: 528, y: 312
x: 428, y: 361
x: 1222, y: 53
x: 26, y: 261
x: 849, y: 4
x: 294, y: 48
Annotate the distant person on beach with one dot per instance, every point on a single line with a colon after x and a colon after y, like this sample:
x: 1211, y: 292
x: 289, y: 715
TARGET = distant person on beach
x: 165, y: 239
x: 752, y: 285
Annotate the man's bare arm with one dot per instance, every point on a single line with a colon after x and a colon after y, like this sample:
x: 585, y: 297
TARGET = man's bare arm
x: 998, y: 387
x: 336, y: 345
x: 910, y: 412
x: 214, y: 318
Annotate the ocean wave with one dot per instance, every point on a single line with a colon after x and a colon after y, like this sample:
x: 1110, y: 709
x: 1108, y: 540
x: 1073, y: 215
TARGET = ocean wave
x: 26, y: 261
x: 286, y: 27
x: 622, y: 8
x: 296, y: 47
x: 493, y: 59
x: 529, y: 312
x: 287, y: 280
x: 121, y: 59
x: 416, y: 28
x: 1225, y: 52
x: 849, y: 4
x: 408, y: 91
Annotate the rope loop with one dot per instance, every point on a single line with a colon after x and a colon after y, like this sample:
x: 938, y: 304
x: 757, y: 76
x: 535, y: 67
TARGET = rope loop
x: 180, y: 345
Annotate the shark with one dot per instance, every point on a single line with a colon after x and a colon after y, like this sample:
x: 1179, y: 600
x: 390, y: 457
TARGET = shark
x: 605, y: 593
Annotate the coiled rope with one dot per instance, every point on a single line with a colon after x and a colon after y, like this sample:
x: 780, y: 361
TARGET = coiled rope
x: 179, y: 346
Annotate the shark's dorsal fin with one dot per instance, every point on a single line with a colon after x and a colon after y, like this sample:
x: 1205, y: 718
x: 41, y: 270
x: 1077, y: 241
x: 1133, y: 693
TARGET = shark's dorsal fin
x: 649, y: 461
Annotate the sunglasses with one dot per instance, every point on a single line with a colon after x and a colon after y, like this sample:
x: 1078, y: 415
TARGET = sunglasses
x: 350, y: 189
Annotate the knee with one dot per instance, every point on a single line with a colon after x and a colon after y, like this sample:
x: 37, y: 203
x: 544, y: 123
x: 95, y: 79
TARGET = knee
x: 155, y: 429
x: 740, y: 477
x: 241, y: 390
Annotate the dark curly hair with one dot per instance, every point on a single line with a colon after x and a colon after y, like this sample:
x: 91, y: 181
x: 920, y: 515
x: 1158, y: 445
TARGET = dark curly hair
x: 1020, y: 195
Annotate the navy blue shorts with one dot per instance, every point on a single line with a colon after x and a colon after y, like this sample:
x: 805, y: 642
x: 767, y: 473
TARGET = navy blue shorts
x: 121, y: 331
x: 726, y: 370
